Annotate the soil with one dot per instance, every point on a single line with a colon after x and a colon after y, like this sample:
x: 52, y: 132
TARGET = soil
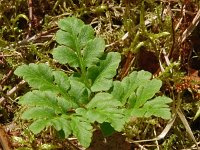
x: 115, y: 142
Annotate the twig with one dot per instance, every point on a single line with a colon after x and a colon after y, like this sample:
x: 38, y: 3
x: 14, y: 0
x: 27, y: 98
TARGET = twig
x: 72, y: 145
x: 30, y: 9
x: 4, y: 140
x: 186, y: 11
x: 6, y: 77
x: 183, y: 15
x: 33, y: 38
x: 127, y: 66
x: 190, y: 29
x: 140, y: 146
x: 13, y: 90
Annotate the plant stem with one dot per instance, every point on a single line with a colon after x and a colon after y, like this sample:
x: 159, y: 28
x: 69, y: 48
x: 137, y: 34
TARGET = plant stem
x: 82, y: 66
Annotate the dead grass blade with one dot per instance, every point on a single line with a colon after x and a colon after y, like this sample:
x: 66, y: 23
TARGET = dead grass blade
x: 187, y: 127
x: 190, y: 29
x: 162, y: 135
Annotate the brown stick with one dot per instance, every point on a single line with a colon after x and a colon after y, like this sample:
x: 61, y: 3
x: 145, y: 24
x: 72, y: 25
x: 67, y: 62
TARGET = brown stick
x: 13, y: 90
x: 127, y: 66
x: 4, y: 141
x: 6, y: 77
x: 190, y: 29
x: 30, y: 9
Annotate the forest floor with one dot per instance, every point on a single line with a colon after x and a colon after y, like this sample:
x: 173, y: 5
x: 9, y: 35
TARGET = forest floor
x: 169, y: 49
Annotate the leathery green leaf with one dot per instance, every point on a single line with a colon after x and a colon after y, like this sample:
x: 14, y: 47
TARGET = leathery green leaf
x: 38, y: 113
x: 103, y: 74
x: 38, y: 125
x: 82, y: 130
x: 71, y: 25
x: 147, y: 91
x: 65, y: 55
x: 36, y: 73
x: 93, y: 51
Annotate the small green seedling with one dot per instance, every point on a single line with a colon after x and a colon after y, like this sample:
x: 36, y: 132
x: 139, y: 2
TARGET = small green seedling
x: 73, y: 103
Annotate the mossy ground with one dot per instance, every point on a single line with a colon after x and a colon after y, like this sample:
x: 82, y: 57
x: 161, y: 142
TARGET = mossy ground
x: 27, y: 36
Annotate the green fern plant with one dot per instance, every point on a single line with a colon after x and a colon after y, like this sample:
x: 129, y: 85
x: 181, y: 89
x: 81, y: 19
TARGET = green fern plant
x: 73, y: 103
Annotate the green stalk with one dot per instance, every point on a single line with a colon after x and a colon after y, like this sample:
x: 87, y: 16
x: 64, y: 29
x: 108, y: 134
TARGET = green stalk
x: 82, y: 66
